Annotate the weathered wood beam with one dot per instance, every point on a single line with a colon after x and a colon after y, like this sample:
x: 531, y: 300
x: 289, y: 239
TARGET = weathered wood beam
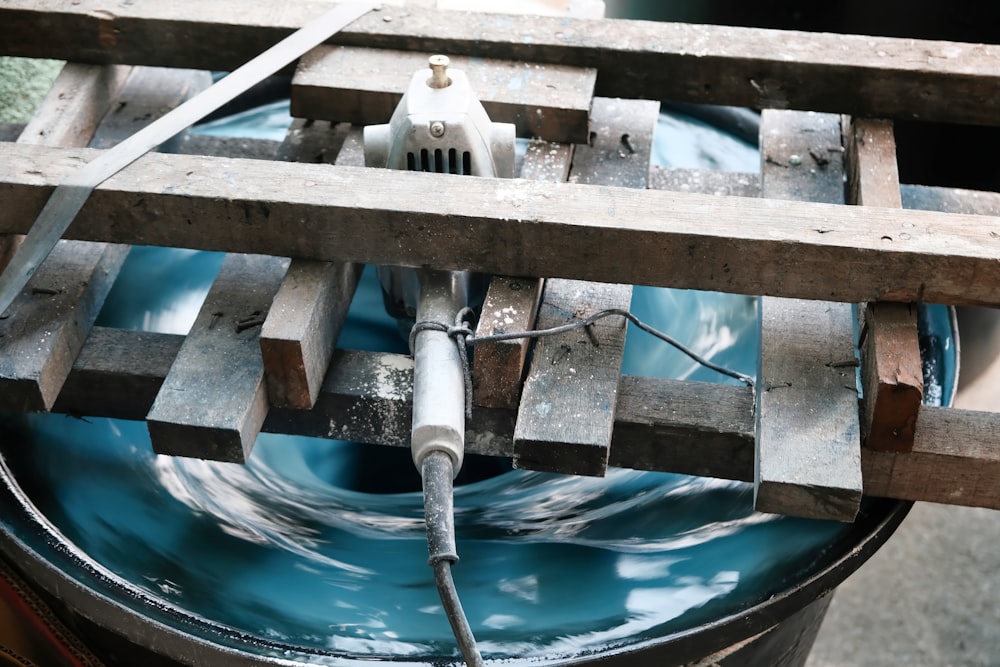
x: 808, y: 460
x: 669, y: 425
x: 891, y: 368
x: 363, y: 86
x: 566, y: 417
x: 300, y: 333
x: 515, y: 227
x: 498, y: 368
x: 955, y: 460
x: 743, y: 184
x: 877, y: 77
x: 512, y: 302
x: 213, y: 401
x: 567, y: 410
x: 48, y: 322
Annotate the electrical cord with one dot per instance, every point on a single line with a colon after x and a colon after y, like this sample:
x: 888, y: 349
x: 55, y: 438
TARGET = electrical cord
x: 439, y: 514
x: 464, y: 336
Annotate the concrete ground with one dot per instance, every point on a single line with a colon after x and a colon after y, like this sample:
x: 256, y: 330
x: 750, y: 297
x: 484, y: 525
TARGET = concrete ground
x: 931, y: 596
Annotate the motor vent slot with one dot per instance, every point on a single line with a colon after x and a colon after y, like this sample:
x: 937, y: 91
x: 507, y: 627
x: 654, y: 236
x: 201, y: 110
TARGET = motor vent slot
x: 440, y: 162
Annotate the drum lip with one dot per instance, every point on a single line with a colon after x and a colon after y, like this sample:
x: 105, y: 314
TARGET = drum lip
x: 82, y: 595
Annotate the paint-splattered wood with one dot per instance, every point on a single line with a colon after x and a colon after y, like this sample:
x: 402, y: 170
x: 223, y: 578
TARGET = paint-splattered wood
x: 512, y: 303
x: 47, y: 324
x: 707, y: 181
x: 567, y: 410
x: 876, y: 77
x: 892, y: 378
x: 668, y: 425
x: 498, y: 370
x: 808, y: 460
x: 213, y: 400
x: 363, y: 86
x: 516, y: 227
x: 302, y: 326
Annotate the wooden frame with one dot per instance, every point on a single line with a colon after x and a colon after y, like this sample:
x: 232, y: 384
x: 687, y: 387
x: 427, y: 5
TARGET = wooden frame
x: 537, y: 229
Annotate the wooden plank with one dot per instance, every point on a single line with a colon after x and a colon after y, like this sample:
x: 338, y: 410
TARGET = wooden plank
x: 567, y: 409
x: 118, y: 373
x: 148, y: 93
x: 512, y: 303
x: 877, y: 77
x: 213, y: 401
x: 45, y: 327
x: 363, y: 86
x: 516, y: 227
x: 75, y: 105
x: 891, y: 368
x: 706, y: 181
x: 72, y: 109
x: 667, y: 425
x: 498, y: 368
x: 693, y: 428
x: 566, y: 417
x: 808, y: 460
x: 955, y: 460
x: 300, y: 333
x: 891, y: 376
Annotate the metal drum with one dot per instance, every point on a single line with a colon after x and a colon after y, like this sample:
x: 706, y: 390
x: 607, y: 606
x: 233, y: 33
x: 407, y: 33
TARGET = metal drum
x: 314, y: 553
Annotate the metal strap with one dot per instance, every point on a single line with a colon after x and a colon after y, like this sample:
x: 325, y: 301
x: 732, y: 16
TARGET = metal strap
x: 69, y: 197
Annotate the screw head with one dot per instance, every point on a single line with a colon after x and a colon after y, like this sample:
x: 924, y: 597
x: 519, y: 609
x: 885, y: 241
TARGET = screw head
x: 437, y: 129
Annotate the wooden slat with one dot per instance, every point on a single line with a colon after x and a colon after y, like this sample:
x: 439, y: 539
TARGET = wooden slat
x: 808, y: 460
x: 668, y: 425
x: 75, y: 105
x: 567, y: 410
x: 706, y: 181
x: 363, y: 86
x: 512, y: 303
x: 213, y: 401
x: 877, y: 77
x: 299, y: 336
x: 118, y: 373
x: 955, y: 460
x: 148, y: 93
x: 742, y: 184
x: 730, y: 244
x: 45, y: 327
x: 891, y: 369
x: 694, y: 428
x: 891, y: 376
x: 498, y: 370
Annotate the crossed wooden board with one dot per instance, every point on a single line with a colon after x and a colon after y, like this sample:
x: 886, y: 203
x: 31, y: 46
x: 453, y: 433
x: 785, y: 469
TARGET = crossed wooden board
x: 586, y: 216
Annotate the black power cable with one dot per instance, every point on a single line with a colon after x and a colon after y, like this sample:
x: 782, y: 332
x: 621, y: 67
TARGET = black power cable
x: 439, y: 514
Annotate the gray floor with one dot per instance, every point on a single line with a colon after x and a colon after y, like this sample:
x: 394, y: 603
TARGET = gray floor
x: 931, y: 596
